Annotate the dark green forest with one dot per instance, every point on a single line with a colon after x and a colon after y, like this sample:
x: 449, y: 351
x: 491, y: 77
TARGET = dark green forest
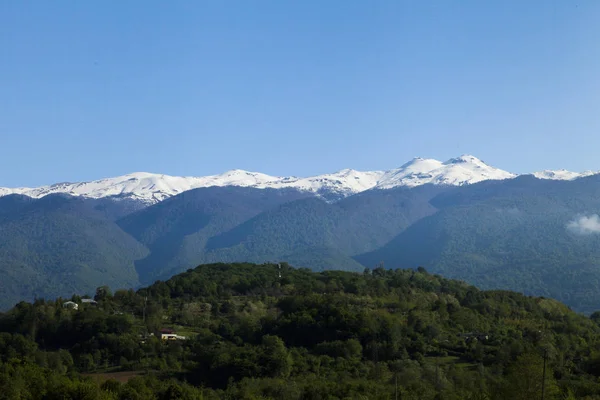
x: 274, y: 332
x: 510, y: 235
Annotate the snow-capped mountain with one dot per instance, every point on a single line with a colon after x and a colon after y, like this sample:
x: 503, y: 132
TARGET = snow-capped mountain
x: 562, y: 174
x: 152, y: 188
x: 456, y: 171
x: 342, y: 183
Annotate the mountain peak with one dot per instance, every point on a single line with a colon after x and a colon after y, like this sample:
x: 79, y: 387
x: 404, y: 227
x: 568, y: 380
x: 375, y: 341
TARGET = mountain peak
x: 465, y: 158
x: 458, y: 171
x: 143, y: 175
x: 238, y: 172
x: 419, y: 161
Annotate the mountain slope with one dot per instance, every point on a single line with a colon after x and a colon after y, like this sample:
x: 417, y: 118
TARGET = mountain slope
x: 356, y: 224
x: 177, y: 229
x: 60, y: 245
x: 520, y: 234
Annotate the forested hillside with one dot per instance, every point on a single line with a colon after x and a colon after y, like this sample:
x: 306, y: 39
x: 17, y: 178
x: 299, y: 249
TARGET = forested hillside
x: 176, y: 230
x: 275, y: 332
x: 351, y: 226
x: 60, y: 244
x: 521, y: 235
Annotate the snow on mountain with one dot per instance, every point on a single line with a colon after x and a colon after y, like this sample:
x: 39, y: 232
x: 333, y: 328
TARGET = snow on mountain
x: 147, y: 187
x: 7, y: 191
x: 344, y: 182
x: 456, y: 171
x: 562, y: 174
x: 152, y: 188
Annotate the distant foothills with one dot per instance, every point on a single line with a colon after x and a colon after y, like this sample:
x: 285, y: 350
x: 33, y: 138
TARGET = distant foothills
x: 536, y: 234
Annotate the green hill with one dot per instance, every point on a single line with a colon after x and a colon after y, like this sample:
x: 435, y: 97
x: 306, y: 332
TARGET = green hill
x: 274, y: 332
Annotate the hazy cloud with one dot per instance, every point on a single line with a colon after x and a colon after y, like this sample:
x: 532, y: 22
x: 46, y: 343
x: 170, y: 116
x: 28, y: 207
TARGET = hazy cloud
x: 585, y: 225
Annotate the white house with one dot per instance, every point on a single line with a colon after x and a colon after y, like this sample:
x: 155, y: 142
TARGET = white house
x: 171, y: 336
x: 71, y: 305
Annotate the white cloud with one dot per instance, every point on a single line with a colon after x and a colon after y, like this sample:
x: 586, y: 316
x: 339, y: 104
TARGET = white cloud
x: 585, y: 225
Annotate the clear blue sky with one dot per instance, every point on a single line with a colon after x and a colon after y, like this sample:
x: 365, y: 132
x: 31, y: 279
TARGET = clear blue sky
x: 90, y: 89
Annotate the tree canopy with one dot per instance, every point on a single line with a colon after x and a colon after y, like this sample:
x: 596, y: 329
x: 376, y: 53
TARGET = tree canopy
x: 274, y: 332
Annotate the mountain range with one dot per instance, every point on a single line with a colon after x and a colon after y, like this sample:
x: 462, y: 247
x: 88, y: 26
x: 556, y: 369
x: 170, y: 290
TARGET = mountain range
x: 150, y: 188
x: 537, y: 233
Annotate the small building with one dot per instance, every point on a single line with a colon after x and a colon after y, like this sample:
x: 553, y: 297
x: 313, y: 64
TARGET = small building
x: 71, y: 305
x: 169, y: 334
x: 89, y: 301
x: 475, y: 336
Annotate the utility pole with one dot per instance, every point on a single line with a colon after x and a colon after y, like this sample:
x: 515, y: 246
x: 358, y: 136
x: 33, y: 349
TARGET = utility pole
x: 396, y: 392
x: 544, y: 374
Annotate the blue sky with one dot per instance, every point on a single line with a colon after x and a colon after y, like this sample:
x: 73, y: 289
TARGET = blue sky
x: 96, y: 89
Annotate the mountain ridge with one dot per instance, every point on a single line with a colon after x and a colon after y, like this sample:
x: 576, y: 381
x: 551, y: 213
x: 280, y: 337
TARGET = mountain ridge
x: 150, y: 188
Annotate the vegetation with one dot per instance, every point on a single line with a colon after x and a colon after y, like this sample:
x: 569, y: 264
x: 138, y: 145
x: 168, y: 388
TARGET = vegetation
x: 60, y: 244
x: 349, y: 227
x: 176, y: 230
x: 274, y: 332
x: 510, y: 235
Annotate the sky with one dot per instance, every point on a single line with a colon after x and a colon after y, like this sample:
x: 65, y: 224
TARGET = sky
x: 93, y: 89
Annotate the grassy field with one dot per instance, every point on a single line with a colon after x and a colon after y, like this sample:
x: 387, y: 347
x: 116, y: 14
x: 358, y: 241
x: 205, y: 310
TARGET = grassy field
x: 186, y: 331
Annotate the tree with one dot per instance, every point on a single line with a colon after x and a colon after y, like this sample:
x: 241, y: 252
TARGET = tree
x: 102, y: 293
x: 595, y: 317
x: 277, y: 359
x: 526, y: 377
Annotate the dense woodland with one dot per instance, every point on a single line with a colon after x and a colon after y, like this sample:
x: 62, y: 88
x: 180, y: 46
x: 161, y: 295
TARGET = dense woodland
x: 512, y: 235
x: 251, y: 334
